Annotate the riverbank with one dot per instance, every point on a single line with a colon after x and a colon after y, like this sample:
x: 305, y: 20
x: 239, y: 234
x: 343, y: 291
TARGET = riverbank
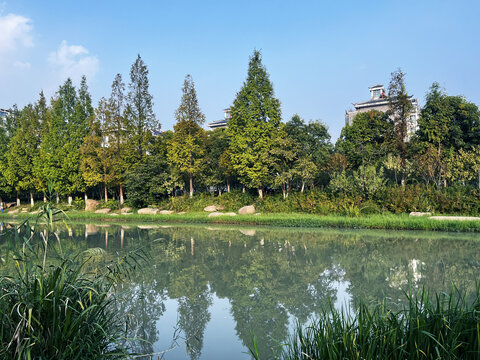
x: 376, y: 221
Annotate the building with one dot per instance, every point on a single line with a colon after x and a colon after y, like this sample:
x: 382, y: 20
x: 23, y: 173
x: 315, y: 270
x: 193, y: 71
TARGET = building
x: 379, y: 101
x: 221, y: 123
x: 3, y: 114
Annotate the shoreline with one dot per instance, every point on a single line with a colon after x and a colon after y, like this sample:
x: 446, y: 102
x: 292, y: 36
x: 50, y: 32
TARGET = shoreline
x: 291, y: 220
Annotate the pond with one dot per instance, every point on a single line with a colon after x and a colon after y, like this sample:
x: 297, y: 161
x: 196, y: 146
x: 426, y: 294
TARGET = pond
x: 206, y: 291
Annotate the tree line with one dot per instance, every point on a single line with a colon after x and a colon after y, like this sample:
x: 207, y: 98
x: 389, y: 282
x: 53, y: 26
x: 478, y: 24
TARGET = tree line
x: 117, y: 150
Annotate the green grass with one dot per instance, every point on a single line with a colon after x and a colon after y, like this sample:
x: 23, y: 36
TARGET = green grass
x: 377, y: 221
x: 447, y: 327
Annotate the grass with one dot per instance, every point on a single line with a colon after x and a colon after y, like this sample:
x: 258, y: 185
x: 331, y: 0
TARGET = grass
x: 447, y: 327
x: 377, y: 221
x: 64, y: 308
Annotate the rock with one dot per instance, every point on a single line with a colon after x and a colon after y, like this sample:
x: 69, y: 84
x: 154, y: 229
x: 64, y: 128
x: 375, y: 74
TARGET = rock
x: 91, y: 205
x: 213, y: 208
x: 216, y: 213
x: 126, y: 213
x: 24, y: 210
x: 148, y: 211
x: 113, y: 214
x: 13, y: 211
x: 166, y: 212
x: 182, y: 213
x: 417, y: 213
x: 248, y: 232
x: 456, y: 218
x: 125, y: 210
x: 147, y: 227
x: 247, y: 210
x: 103, y: 211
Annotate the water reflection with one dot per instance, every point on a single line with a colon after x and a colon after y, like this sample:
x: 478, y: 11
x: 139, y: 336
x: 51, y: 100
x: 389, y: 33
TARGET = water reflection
x: 203, y: 284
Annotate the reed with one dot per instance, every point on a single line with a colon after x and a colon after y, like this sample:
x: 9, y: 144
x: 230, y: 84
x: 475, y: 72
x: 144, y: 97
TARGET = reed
x: 58, y: 309
x: 445, y: 326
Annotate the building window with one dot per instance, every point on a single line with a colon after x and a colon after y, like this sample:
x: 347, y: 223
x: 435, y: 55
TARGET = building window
x: 376, y: 94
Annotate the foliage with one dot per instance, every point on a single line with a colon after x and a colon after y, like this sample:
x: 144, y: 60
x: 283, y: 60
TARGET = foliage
x: 443, y: 327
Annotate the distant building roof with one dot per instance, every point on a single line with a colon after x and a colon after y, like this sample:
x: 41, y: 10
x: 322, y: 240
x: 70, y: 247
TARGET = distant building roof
x: 218, y: 124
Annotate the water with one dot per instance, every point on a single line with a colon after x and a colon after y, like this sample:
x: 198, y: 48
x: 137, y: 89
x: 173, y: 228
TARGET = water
x: 206, y: 291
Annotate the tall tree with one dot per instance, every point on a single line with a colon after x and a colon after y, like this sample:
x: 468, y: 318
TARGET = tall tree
x: 400, y: 111
x: 139, y: 112
x: 22, y: 150
x: 115, y: 128
x: 187, y: 147
x: 256, y: 118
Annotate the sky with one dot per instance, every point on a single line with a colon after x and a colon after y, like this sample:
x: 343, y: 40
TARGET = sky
x: 321, y: 55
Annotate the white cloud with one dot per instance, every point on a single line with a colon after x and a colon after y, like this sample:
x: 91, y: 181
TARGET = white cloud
x: 15, y: 32
x: 22, y: 65
x: 73, y: 61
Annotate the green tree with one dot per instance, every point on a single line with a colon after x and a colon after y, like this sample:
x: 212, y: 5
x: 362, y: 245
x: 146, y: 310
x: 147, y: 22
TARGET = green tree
x: 367, y: 140
x: 22, y: 150
x: 139, y: 113
x: 400, y: 108
x: 115, y: 129
x: 187, y: 148
x: 256, y: 118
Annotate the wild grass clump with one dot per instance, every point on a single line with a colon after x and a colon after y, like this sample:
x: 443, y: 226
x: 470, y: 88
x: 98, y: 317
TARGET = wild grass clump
x: 55, y: 307
x: 447, y: 327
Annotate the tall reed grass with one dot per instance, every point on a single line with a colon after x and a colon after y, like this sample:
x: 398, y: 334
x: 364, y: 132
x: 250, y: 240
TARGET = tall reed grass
x: 445, y: 326
x: 63, y: 308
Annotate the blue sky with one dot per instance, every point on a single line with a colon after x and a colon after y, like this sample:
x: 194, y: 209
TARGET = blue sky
x: 321, y: 55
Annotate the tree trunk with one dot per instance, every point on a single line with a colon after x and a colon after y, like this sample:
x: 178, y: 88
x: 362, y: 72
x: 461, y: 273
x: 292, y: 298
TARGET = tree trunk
x: 219, y: 191
x: 58, y: 198
x: 122, y: 237
x: 85, y: 196
x: 106, y: 239
x: 44, y: 198
x: 191, y: 185
x: 32, y: 202
x: 69, y: 199
x: 18, y: 201
x: 303, y: 186
x: 288, y: 187
x: 121, y: 195
x: 192, y: 246
x: 106, y: 193
x: 228, y: 184
x: 260, y: 192
x: 243, y: 188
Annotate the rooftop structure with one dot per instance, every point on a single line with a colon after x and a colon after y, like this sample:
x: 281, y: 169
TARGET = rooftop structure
x: 3, y: 113
x: 221, y: 123
x: 379, y: 102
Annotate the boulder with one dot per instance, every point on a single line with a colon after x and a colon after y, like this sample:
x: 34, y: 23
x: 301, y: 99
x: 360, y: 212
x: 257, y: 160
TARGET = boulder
x: 248, y: 232
x: 247, y: 210
x: 210, y: 208
x: 13, y: 211
x: 166, y: 212
x: 103, y: 211
x: 216, y: 213
x: 125, y: 210
x: 417, y: 213
x: 182, y: 213
x: 91, y: 205
x: 148, y: 211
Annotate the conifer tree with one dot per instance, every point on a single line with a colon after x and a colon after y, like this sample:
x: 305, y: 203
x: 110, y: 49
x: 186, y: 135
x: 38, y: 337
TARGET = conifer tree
x: 186, y: 149
x: 256, y: 117
x: 139, y: 112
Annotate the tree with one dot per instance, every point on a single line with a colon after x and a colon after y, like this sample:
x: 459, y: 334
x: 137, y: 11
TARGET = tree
x: 256, y: 118
x: 22, y: 150
x: 400, y: 108
x: 139, y: 113
x: 187, y: 147
x: 367, y: 140
x: 115, y: 128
